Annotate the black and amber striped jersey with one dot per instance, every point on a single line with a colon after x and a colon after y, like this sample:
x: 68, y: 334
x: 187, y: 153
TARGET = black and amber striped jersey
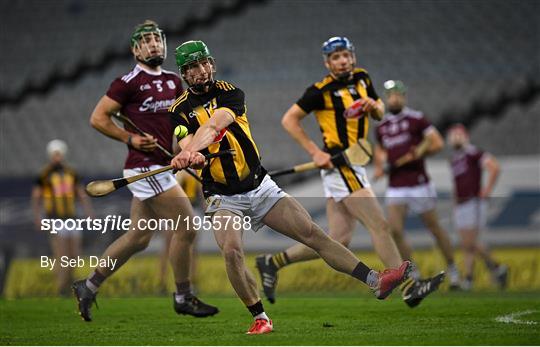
x: 229, y: 174
x: 58, y: 184
x: 329, y: 98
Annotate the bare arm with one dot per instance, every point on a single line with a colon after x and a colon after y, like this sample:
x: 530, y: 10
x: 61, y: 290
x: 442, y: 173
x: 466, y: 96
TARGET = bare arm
x: 184, y: 142
x: 432, y: 143
x: 36, y: 205
x: 375, y: 109
x: 175, y: 145
x: 491, y: 165
x: 204, y: 137
x: 379, y: 159
x: 102, y: 122
x: 363, y: 106
x: 85, y: 201
x: 436, y: 144
x: 206, y: 134
x: 291, y: 121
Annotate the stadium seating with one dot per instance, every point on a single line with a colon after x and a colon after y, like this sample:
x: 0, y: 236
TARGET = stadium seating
x: 448, y: 53
x: 517, y: 131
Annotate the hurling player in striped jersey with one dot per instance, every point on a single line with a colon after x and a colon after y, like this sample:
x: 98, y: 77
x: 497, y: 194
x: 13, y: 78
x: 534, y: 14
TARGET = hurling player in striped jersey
x: 344, y: 102
x: 144, y: 95
x: 237, y: 186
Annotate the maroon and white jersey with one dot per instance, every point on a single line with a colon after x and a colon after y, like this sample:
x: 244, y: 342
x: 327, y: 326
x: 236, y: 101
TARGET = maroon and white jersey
x: 397, y: 134
x: 145, y: 97
x: 466, y: 166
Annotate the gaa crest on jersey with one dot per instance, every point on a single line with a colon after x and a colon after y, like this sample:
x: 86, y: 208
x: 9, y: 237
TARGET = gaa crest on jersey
x: 144, y: 87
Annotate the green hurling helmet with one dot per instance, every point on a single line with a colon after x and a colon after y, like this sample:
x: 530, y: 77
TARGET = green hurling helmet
x: 397, y: 86
x: 141, y: 30
x: 191, y: 52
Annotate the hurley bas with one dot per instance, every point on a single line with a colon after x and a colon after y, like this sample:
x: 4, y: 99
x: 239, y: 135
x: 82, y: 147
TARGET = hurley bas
x: 66, y: 261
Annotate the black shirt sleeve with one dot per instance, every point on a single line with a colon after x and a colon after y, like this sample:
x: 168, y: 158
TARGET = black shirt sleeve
x: 233, y: 100
x: 311, y: 100
x: 370, y: 89
x: 177, y: 119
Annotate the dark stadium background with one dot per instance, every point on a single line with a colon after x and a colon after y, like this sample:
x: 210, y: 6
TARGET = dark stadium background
x: 476, y: 62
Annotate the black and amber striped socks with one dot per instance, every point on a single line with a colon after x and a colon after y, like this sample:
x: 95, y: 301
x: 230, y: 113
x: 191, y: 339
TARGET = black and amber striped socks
x: 280, y: 260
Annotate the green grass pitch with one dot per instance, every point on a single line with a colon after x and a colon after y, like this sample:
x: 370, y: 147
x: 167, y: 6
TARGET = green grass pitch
x: 443, y: 319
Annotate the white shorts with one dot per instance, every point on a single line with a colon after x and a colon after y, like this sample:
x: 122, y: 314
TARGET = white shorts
x: 150, y: 186
x: 470, y: 215
x: 254, y: 204
x: 419, y: 199
x: 340, y: 182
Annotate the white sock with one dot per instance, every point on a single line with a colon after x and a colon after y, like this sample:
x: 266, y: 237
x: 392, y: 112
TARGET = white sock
x: 415, y: 273
x: 262, y: 316
x: 179, y: 298
x: 372, y: 279
x: 453, y: 273
x: 91, y: 286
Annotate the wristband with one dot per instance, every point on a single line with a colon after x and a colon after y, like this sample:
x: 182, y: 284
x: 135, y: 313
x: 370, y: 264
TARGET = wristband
x: 128, y: 142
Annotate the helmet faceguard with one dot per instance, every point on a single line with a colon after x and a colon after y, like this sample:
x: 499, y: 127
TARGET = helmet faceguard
x: 335, y: 44
x: 149, y: 40
x: 191, y: 54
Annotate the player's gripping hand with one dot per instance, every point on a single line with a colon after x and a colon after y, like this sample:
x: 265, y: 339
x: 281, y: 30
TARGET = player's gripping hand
x: 197, y: 161
x: 356, y: 110
x: 360, y: 108
x: 369, y: 104
x: 181, y: 160
x: 323, y: 160
x: 145, y: 143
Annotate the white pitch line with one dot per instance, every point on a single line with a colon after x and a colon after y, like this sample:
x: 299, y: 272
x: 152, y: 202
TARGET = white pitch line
x: 513, y: 318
